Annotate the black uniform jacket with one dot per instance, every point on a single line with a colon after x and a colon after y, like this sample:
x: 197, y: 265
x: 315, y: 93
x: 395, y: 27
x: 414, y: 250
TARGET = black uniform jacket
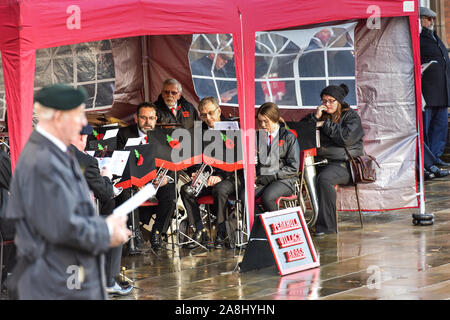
x: 186, y: 114
x: 282, y: 159
x: 102, y: 187
x: 333, y: 136
x: 124, y: 134
x: 59, y: 237
x: 435, y: 79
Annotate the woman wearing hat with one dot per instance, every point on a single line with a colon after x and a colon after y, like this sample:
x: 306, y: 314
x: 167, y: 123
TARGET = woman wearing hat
x: 339, y: 126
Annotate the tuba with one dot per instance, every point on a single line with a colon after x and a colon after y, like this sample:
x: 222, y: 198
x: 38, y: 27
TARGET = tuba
x: 309, y: 176
x: 200, y: 180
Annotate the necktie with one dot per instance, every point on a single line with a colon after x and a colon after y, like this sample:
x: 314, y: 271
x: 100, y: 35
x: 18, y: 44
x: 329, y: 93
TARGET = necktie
x: 270, y: 139
x: 174, y: 111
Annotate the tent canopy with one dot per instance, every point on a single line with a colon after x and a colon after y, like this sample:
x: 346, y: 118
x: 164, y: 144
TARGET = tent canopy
x: 29, y: 25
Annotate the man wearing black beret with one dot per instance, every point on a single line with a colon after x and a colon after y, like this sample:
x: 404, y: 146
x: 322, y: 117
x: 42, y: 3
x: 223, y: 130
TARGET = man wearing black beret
x: 60, y: 240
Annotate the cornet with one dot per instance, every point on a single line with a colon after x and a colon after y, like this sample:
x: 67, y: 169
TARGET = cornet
x: 200, y: 180
x: 160, y: 175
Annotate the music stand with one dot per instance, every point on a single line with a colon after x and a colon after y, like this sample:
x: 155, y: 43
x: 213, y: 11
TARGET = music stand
x: 139, y: 170
x: 176, y: 154
x: 96, y: 141
x: 225, y: 153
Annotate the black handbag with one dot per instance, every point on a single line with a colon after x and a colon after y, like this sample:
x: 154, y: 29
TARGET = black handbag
x: 363, y: 168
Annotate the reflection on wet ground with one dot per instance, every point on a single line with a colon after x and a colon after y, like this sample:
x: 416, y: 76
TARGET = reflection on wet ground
x: 389, y: 259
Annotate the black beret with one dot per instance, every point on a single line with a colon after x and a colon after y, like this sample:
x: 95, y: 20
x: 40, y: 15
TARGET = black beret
x: 337, y: 92
x: 61, y: 96
x: 86, y: 130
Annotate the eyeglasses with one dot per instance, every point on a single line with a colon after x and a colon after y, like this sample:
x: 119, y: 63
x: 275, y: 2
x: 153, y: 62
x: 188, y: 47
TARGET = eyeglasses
x: 144, y: 118
x: 328, y: 101
x: 428, y: 18
x: 168, y: 92
x: 210, y: 113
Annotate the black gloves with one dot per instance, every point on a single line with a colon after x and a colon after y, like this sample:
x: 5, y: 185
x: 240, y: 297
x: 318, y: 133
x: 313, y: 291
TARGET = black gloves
x: 265, y: 180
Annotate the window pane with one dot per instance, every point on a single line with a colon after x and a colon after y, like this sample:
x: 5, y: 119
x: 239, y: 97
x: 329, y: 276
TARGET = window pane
x: 311, y: 90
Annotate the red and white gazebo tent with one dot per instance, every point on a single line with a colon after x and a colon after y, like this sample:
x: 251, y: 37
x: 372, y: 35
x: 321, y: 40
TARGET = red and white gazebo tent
x: 389, y: 104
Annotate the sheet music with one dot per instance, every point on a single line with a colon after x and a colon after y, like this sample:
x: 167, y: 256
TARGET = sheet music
x: 133, y: 142
x: 110, y: 134
x: 226, y: 125
x: 116, y: 163
x: 139, y: 198
x: 425, y: 66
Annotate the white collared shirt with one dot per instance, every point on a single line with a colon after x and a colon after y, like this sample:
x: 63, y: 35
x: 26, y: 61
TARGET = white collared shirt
x: 273, y: 134
x: 52, y: 138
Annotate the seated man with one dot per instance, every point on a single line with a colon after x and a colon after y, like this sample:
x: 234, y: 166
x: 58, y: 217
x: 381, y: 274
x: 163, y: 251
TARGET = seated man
x: 146, y: 118
x: 172, y: 107
x: 100, y: 184
x: 221, y: 185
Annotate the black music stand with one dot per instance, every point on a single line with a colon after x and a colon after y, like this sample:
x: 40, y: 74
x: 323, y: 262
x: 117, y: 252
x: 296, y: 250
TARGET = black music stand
x: 176, y: 149
x: 139, y: 170
x: 223, y: 150
x: 95, y: 140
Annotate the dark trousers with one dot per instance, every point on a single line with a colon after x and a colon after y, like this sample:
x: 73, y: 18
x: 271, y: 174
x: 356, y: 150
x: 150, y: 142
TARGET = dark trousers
x: 428, y: 158
x: 335, y: 173
x: 114, y: 255
x: 165, y: 209
x: 435, y: 129
x: 220, y: 192
x: 112, y: 264
x: 270, y: 193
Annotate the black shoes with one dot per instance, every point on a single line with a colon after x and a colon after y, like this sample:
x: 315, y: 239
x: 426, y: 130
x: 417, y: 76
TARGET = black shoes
x: 199, y: 237
x: 439, y: 173
x: 220, y: 242
x: 155, y: 240
x: 428, y: 175
x: 442, y: 163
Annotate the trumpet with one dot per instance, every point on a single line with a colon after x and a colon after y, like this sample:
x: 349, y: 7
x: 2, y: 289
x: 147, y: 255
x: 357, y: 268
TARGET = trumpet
x: 160, y: 175
x: 200, y: 180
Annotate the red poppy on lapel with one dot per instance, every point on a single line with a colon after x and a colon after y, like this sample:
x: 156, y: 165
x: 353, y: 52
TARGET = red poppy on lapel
x: 98, y: 136
x: 294, y: 132
x: 174, y: 144
x: 228, y: 143
x: 281, y: 142
x: 140, y: 158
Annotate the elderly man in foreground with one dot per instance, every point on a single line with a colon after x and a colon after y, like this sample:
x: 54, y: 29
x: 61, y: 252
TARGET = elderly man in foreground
x: 60, y: 240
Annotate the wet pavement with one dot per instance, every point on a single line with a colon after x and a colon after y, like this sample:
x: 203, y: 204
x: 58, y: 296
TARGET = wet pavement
x: 390, y: 259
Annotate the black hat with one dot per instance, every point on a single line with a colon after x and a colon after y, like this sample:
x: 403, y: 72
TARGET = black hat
x: 424, y: 11
x: 86, y: 130
x: 338, y: 92
x: 61, y: 96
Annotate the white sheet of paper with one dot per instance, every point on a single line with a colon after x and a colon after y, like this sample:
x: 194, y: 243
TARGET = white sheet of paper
x: 104, y: 162
x: 133, y: 142
x: 226, y: 125
x: 425, y: 66
x: 110, y: 134
x: 111, y: 125
x: 118, y: 162
x: 90, y: 152
x: 139, y: 198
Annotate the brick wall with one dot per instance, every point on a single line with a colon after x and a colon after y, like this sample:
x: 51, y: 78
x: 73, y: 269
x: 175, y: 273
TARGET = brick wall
x: 447, y: 19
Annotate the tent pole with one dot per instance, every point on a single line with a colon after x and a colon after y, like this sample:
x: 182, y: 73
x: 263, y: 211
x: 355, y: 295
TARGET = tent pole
x: 420, y: 218
x: 144, y: 43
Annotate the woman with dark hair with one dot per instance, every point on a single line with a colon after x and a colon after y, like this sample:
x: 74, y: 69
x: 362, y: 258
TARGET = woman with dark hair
x: 339, y: 126
x: 278, y: 157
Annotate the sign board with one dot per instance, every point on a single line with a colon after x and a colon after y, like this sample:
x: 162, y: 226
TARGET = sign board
x: 290, y: 241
